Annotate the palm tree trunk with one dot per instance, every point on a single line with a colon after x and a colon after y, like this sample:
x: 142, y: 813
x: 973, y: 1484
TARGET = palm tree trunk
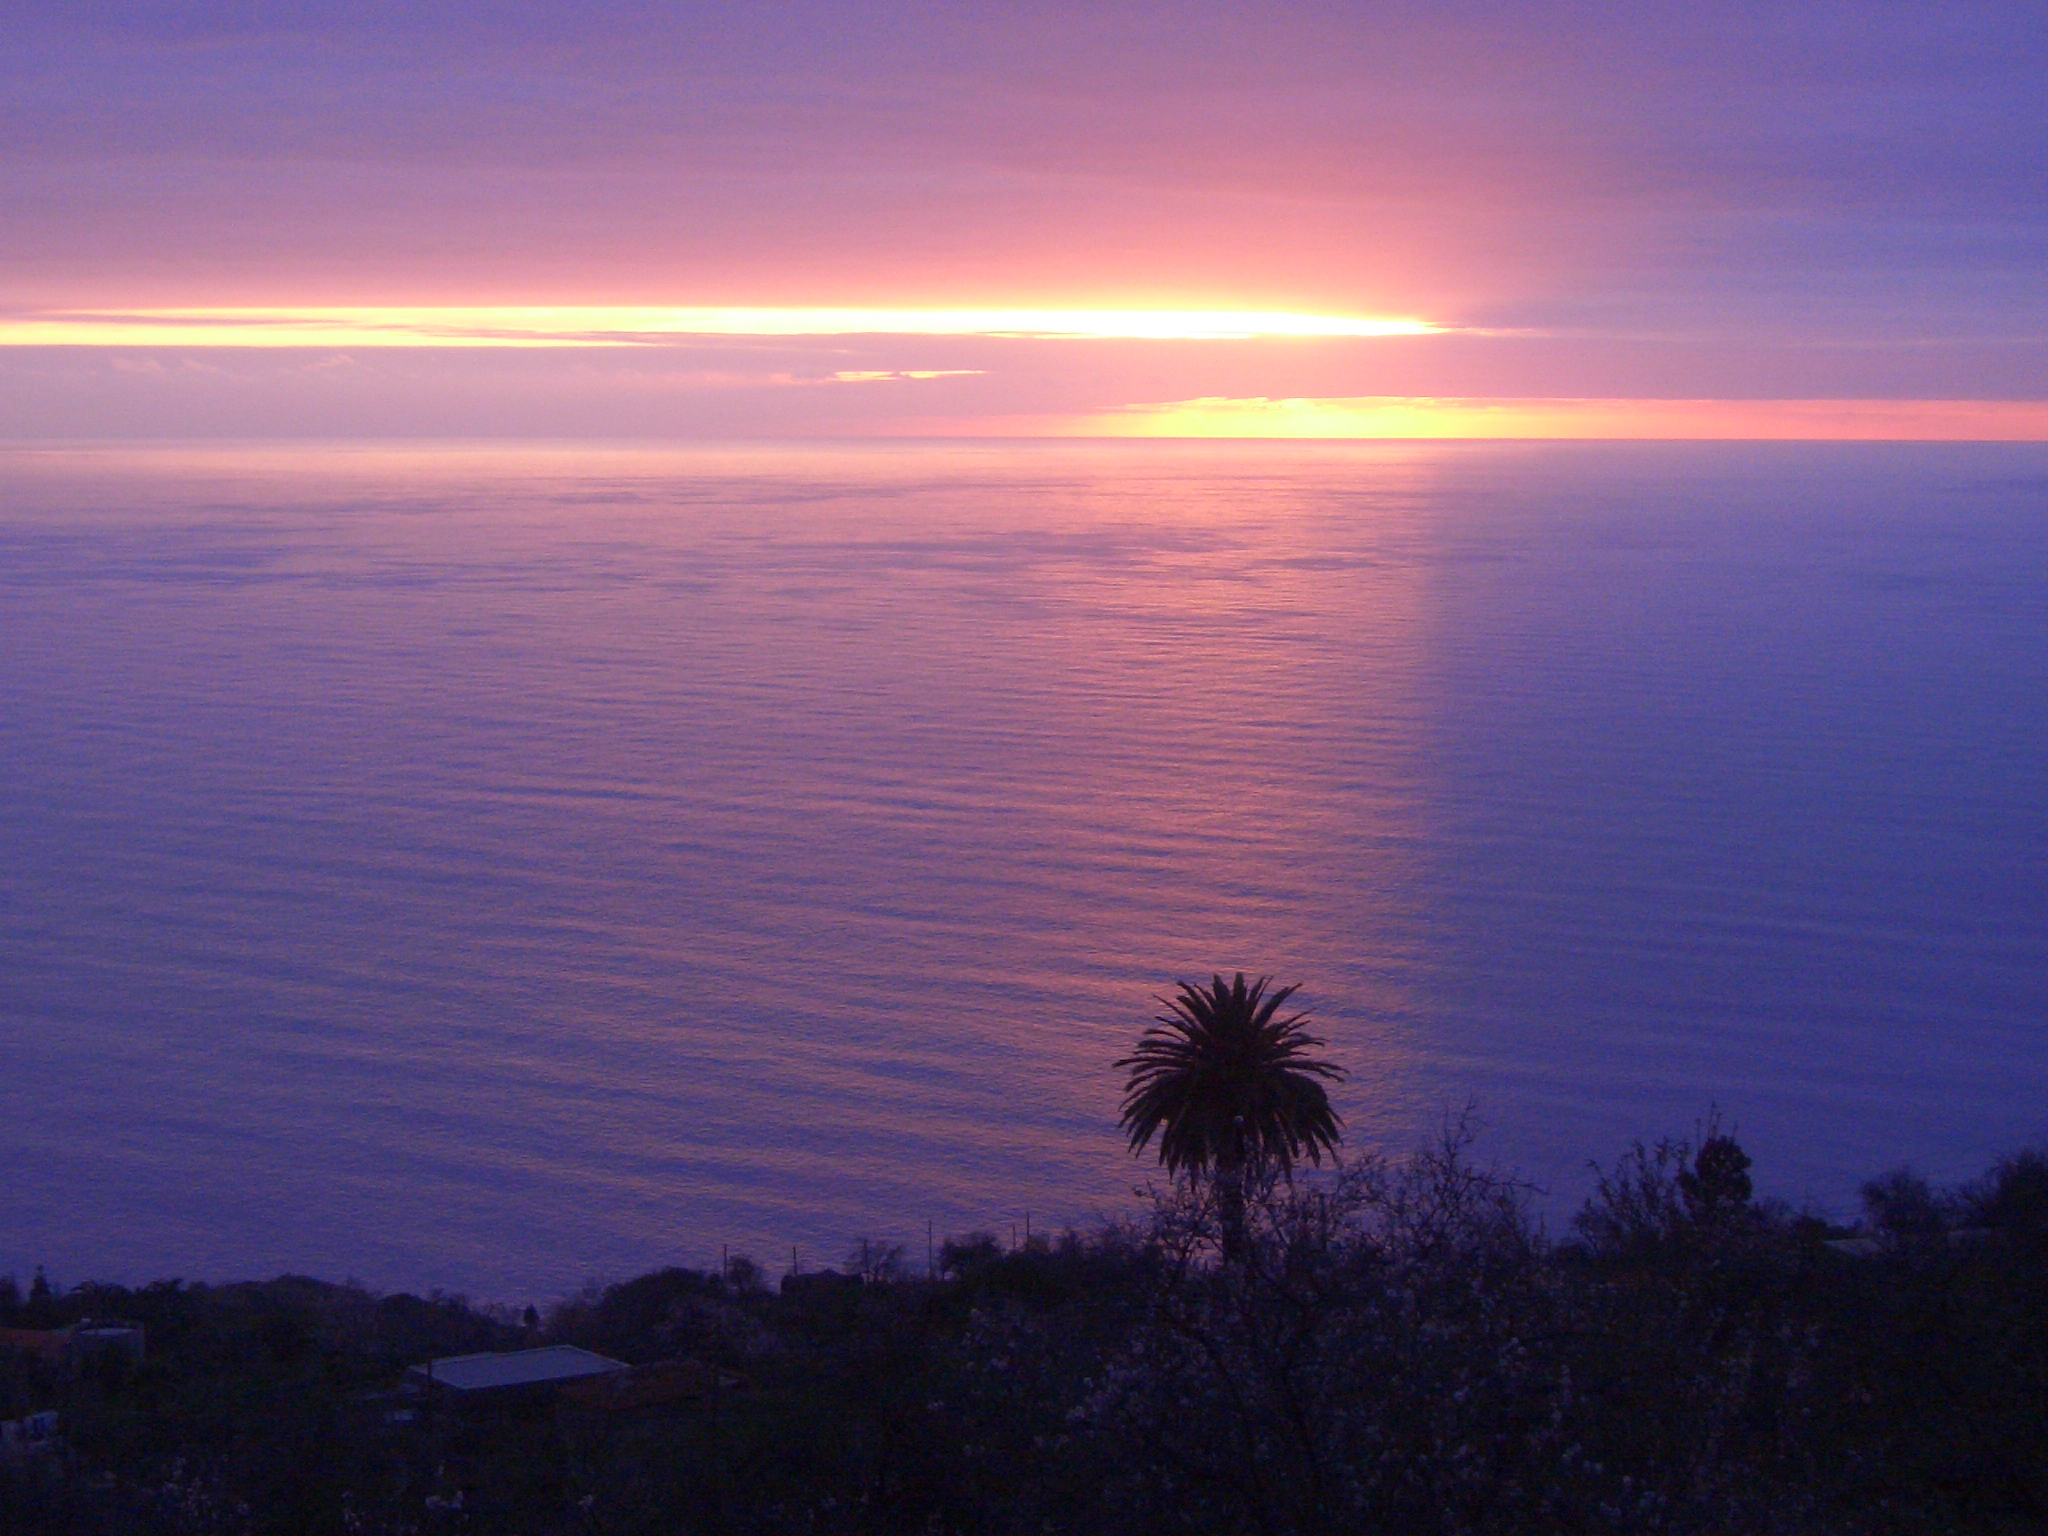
x: 1228, y: 1181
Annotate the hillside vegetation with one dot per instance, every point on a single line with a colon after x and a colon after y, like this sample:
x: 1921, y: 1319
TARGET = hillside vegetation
x: 1393, y: 1346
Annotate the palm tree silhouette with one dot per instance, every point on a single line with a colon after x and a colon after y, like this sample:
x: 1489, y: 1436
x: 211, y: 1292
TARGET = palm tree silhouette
x: 1231, y: 1090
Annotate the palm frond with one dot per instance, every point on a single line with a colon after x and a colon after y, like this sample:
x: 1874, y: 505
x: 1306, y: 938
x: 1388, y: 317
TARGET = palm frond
x: 1225, y: 1083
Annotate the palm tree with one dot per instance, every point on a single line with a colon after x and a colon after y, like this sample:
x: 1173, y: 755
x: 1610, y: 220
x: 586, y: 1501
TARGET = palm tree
x: 1231, y: 1090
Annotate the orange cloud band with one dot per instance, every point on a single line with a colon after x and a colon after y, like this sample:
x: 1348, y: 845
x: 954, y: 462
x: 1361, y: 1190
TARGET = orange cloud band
x: 589, y: 325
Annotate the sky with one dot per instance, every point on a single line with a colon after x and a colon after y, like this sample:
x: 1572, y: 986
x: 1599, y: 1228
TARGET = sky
x: 1702, y: 219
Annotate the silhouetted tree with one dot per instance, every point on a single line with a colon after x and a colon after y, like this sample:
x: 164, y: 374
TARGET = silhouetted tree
x: 1231, y: 1089
x: 41, y: 1310
x: 962, y: 1256
x: 1717, y: 1184
x: 1904, y: 1207
x: 876, y: 1262
x: 2014, y: 1196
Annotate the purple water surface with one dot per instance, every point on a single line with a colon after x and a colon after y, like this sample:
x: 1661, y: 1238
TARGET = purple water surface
x: 495, y: 866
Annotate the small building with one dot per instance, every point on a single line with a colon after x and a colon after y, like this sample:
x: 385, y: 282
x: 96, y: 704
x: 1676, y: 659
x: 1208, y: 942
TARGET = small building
x: 821, y: 1285
x: 99, y: 1336
x: 46, y: 1343
x: 517, y: 1373
x: 88, y: 1336
x: 1886, y: 1245
x: 30, y: 1436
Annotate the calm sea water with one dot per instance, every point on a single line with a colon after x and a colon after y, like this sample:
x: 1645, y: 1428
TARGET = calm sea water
x: 497, y: 867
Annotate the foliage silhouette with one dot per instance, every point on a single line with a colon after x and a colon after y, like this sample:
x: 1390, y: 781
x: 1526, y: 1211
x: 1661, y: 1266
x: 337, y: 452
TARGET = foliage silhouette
x: 1226, y: 1084
x: 1397, y: 1347
x: 1904, y: 1207
x: 1717, y: 1184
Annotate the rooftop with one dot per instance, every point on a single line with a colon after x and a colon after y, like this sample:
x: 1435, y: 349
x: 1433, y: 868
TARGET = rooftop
x: 518, y: 1368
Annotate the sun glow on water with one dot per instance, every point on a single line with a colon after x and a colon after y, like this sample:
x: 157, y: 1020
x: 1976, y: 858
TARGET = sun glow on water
x: 1394, y: 416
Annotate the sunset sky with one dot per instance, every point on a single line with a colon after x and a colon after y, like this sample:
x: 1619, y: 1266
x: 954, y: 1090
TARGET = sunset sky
x: 712, y: 221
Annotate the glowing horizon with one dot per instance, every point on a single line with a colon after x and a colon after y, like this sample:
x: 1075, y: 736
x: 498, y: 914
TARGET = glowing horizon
x: 1395, y: 417
x: 627, y: 326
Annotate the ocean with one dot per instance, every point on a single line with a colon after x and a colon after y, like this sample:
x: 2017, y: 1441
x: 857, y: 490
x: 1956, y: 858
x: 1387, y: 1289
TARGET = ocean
x: 493, y: 867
